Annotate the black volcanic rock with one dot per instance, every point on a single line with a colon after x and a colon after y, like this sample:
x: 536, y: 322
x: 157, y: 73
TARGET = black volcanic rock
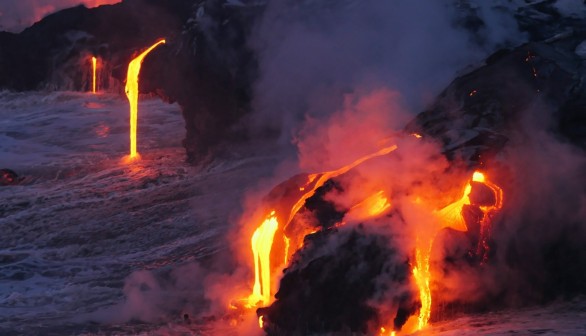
x: 335, y: 282
x: 472, y: 116
x: 41, y: 54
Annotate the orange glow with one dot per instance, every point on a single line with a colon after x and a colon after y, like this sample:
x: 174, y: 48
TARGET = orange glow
x: 318, y: 180
x: 262, y: 242
x: 324, y: 177
x: 372, y: 206
x: 261, y: 322
x: 132, y: 94
x: 451, y: 215
x: 417, y: 135
x: 383, y: 332
x: 94, y: 68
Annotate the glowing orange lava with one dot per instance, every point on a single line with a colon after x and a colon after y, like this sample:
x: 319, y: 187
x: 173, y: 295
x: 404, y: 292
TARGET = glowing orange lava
x: 318, y: 180
x: 132, y: 94
x: 94, y: 68
x: 449, y: 216
x: 371, y: 207
x: 262, y: 242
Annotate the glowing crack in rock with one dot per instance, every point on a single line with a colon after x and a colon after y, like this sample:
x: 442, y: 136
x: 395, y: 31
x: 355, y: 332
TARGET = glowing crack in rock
x: 132, y: 94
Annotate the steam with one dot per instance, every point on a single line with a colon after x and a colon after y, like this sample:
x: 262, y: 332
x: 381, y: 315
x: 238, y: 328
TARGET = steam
x: 345, y: 80
x: 545, y: 221
x: 158, y: 296
x: 314, y: 53
x: 342, y: 80
x: 17, y: 15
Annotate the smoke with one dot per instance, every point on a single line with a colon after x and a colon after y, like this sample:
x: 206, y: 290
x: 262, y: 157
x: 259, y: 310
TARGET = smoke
x: 313, y: 53
x: 17, y: 15
x: 538, y: 251
x: 359, y: 128
x: 542, y: 232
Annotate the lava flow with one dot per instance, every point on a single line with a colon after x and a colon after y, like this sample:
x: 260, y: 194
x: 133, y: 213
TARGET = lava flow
x: 132, y: 94
x: 263, y: 238
x: 450, y: 216
x: 94, y: 68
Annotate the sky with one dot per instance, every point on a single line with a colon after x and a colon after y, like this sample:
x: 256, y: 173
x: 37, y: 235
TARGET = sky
x: 16, y: 15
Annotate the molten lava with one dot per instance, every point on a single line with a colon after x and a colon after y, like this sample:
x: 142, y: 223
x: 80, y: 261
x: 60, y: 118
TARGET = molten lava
x: 262, y: 242
x: 422, y: 279
x: 450, y: 217
x: 324, y: 177
x: 94, y: 69
x: 375, y: 205
x: 262, y: 239
x: 132, y: 94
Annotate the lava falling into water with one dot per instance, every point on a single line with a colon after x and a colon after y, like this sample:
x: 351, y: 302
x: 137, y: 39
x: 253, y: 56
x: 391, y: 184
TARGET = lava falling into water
x: 132, y: 94
x: 94, y: 68
x: 422, y: 279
